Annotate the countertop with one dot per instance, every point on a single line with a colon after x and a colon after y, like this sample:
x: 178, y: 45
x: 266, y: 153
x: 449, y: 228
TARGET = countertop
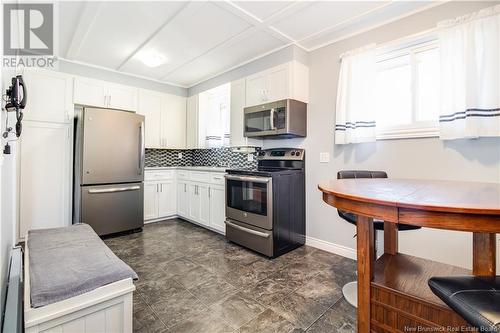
x: 192, y: 168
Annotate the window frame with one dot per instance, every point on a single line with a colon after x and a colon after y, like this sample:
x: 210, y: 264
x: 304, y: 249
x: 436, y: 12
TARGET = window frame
x: 423, y: 129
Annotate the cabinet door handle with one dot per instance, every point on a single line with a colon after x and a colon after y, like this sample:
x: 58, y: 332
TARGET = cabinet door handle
x: 209, y: 192
x: 157, y: 189
x: 184, y: 188
x: 109, y: 100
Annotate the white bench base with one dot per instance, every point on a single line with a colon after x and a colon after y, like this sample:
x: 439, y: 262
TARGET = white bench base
x: 107, y: 309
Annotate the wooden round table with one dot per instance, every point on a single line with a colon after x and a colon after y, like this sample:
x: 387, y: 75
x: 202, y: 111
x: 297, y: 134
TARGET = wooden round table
x: 393, y: 291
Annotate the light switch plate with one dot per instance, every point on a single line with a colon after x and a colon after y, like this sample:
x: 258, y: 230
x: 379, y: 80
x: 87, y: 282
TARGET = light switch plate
x: 324, y: 157
x: 179, y: 155
x: 250, y: 157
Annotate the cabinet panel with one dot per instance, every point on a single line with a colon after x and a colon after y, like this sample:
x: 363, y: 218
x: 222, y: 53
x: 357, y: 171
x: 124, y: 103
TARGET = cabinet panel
x: 278, y: 83
x: 194, y: 202
x: 174, y: 121
x: 167, y: 203
x: 192, y: 122
x: 217, y: 208
x: 238, y: 92
x: 256, y: 86
x: 182, y: 199
x: 150, y: 201
x: 203, y: 194
x: 90, y: 92
x: 45, y: 176
x: 150, y: 105
x: 50, y: 96
x: 122, y: 97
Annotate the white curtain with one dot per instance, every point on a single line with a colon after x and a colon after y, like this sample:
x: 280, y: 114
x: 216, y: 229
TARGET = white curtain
x: 355, y: 109
x: 470, y: 75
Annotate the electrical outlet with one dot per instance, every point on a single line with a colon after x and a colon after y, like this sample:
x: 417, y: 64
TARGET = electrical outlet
x: 324, y: 157
x: 250, y: 157
x: 179, y: 156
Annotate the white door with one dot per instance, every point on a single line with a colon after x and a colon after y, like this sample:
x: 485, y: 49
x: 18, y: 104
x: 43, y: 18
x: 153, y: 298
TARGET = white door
x: 167, y: 202
x: 182, y: 199
x: 194, y: 202
x: 122, y: 97
x: 192, y: 122
x: 150, y: 201
x: 50, y: 96
x: 203, y: 195
x: 90, y: 92
x: 217, y: 208
x: 256, y: 89
x: 150, y: 105
x: 278, y: 83
x: 174, y: 121
x: 45, y: 176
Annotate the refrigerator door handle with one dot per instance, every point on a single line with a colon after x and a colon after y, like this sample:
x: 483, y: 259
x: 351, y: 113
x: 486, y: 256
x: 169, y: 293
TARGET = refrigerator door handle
x: 114, y: 189
x: 141, y: 148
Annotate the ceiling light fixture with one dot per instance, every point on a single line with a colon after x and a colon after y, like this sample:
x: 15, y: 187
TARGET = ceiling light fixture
x: 151, y: 58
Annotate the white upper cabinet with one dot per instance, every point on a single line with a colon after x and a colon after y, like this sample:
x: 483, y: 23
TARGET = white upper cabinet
x: 289, y: 80
x: 173, y: 122
x: 90, y: 92
x: 165, y: 117
x: 104, y: 94
x: 192, y: 122
x: 49, y: 96
x: 150, y: 106
x: 236, y: 117
x: 122, y: 97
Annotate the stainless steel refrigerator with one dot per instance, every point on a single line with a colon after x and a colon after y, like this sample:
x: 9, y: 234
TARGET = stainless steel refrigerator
x: 108, y: 170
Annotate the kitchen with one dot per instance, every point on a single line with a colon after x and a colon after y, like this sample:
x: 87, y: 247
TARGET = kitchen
x: 192, y: 138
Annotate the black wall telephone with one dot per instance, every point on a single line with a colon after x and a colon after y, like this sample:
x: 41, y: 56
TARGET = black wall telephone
x: 15, y: 100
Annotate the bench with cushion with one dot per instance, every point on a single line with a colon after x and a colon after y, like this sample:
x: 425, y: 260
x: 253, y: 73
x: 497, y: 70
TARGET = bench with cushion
x: 73, y: 281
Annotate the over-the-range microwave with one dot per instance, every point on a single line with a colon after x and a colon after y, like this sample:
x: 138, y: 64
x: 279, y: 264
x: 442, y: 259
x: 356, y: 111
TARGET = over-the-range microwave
x: 281, y: 119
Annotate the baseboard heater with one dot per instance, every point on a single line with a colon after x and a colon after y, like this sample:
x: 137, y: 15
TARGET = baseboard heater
x: 13, y: 316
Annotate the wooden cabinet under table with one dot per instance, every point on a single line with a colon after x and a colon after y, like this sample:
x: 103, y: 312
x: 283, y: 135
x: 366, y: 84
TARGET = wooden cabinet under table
x: 393, y: 295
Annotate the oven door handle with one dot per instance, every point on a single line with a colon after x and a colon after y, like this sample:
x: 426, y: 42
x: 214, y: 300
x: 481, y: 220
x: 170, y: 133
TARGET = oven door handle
x: 250, y: 231
x: 249, y: 179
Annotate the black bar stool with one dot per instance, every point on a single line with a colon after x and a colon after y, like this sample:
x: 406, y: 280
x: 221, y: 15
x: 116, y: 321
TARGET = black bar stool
x: 476, y: 299
x: 350, y: 290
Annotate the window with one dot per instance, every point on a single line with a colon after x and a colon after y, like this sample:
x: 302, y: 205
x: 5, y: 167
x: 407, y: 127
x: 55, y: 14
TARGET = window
x: 407, y: 90
x: 214, y: 105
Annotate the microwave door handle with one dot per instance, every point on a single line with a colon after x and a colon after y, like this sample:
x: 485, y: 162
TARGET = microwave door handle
x: 271, y: 119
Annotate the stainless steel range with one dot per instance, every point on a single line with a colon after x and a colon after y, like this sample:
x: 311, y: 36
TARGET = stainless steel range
x: 265, y: 208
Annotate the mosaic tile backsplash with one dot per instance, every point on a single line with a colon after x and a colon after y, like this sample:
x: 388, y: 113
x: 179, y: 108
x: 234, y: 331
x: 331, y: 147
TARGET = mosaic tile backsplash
x: 220, y: 157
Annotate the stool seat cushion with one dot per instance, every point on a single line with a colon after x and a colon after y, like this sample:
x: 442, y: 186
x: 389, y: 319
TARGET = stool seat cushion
x: 476, y: 299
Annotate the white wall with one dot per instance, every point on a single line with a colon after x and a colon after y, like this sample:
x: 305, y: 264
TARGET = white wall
x: 470, y: 160
x: 7, y: 202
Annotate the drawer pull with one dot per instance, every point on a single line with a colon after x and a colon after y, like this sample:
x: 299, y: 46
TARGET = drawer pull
x: 250, y: 231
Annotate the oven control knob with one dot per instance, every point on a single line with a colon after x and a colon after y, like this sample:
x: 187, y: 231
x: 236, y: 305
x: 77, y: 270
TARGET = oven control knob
x: 297, y: 153
x: 262, y: 153
x: 293, y: 153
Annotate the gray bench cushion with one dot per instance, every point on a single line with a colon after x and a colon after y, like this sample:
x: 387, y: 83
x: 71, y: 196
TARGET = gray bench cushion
x: 70, y: 261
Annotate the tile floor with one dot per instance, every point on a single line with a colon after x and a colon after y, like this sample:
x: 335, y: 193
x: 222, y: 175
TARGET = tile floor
x: 193, y: 280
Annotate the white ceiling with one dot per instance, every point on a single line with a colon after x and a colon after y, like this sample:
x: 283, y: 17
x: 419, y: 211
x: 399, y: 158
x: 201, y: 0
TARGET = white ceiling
x: 202, y: 39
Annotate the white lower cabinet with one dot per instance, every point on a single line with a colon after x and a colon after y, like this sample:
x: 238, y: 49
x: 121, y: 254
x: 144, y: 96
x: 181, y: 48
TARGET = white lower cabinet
x: 150, y: 201
x: 182, y: 199
x: 167, y: 203
x: 195, y: 196
x: 160, y: 195
x: 217, y: 196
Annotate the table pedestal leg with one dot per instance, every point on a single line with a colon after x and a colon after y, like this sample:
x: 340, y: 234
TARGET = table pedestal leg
x: 390, y: 238
x: 483, y: 254
x: 366, y: 251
